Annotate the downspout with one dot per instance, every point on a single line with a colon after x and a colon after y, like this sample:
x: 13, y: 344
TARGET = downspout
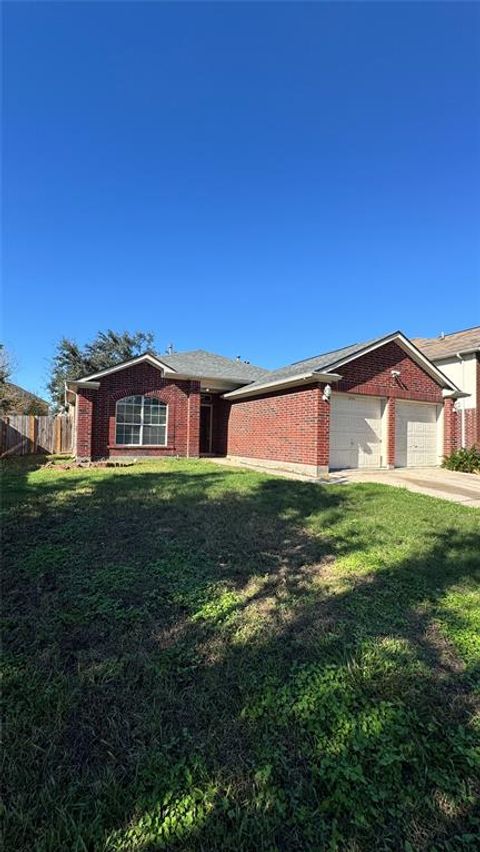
x: 462, y: 360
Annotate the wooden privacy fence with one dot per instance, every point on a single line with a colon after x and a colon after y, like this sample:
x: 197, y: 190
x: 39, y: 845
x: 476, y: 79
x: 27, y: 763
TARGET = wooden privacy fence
x: 22, y: 434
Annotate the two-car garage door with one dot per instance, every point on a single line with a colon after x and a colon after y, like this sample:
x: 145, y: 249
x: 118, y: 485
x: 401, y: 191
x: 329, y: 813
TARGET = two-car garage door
x: 357, y: 433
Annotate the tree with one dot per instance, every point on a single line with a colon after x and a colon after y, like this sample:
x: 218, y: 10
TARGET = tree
x: 14, y: 399
x: 108, y: 348
x: 5, y: 373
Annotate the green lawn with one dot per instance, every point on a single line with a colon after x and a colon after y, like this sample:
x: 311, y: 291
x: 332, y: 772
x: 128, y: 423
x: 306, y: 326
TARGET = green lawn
x: 201, y: 658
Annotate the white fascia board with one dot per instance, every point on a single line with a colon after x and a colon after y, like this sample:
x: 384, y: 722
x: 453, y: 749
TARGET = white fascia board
x: 83, y: 383
x: 220, y: 384
x: 214, y: 383
x: 450, y: 394
x: 412, y: 350
x: 149, y: 359
x: 280, y: 384
x: 456, y: 354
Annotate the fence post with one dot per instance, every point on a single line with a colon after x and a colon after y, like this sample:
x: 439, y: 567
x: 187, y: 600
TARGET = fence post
x: 33, y: 433
x: 56, y: 443
x: 3, y: 434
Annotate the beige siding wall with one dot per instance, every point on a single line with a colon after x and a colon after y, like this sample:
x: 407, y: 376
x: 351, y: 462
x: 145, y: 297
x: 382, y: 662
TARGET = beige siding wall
x: 463, y: 373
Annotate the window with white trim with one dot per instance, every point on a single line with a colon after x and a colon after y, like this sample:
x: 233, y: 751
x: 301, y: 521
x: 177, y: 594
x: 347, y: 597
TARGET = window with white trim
x: 141, y: 420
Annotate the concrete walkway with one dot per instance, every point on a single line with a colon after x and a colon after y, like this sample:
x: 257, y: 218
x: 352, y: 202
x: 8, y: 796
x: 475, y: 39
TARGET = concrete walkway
x: 446, y: 484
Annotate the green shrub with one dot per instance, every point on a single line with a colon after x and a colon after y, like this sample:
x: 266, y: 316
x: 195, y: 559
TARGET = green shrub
x: 467, y: 461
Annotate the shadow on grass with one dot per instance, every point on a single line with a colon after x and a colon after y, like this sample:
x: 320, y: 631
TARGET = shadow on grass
x: 189, y: 668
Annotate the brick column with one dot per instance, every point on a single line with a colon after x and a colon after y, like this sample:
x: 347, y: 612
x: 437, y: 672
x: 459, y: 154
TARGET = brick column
x: 323, y: 434
x: 84, y: 425
x: 390, y: 460
x: 449, y: 427
x: 193, y: 424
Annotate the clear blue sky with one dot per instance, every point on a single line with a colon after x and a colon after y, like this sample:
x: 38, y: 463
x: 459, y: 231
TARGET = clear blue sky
x: 270, y: 180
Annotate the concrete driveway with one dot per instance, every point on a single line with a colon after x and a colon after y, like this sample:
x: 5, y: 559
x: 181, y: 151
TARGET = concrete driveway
x: 457, y: 487
x: 447, y: 484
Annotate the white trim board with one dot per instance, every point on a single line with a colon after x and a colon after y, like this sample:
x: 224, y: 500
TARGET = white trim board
x: 149, y: 359
x: 279, y: 384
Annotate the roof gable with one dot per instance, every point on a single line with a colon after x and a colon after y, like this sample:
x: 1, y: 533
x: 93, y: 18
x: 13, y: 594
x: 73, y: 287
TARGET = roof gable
x: 197, y: 364
x: 146, y: 357
x: 328, y: 365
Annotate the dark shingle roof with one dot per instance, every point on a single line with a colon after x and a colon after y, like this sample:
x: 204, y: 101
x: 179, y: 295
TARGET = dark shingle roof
x: 437, y: 348
x: 321, y: 362
x: 198, y: 362
x: 317, y: 363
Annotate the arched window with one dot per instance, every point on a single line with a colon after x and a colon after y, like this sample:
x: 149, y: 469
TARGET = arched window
x: 141, y: 420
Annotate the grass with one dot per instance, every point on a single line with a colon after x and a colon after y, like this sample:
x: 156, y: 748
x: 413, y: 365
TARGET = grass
x: 203, y: 658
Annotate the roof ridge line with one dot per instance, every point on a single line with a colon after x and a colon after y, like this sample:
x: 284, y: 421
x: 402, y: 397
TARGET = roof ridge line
x: 448, y: 334
x: 321, y: 354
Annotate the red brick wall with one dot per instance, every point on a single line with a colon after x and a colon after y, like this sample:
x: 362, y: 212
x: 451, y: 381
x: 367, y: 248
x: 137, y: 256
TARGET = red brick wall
x: 282, y: 427
x: 476, y: 425
x: 471, y: 424
x: 391, y: 424
x: 83, y: 444
x: 474, y: 430
x: 371, y: 374
x: 221, y: 411
x: 472, y: 434
x: 323, y: 429
x: 449, y: 427
x: 472, y: 437
x: 182, y: 398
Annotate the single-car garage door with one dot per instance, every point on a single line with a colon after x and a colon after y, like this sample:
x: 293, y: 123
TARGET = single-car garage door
x: 415, y: 435
x: 355, y: 431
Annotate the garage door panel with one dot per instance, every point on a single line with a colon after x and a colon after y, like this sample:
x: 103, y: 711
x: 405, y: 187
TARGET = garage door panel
x: 415, y: 435
x: 355, y: 432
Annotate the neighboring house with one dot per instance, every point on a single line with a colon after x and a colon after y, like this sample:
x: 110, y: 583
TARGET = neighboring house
x: 458, y: 356
x: 17, y: 400
x: 382, y: 403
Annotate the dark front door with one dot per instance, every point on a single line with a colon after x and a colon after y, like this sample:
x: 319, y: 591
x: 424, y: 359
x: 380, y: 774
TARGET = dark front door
x: 205, y: 428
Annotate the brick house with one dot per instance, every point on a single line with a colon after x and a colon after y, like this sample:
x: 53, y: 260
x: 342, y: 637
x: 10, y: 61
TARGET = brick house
x: 377, y: 404
x: 458, y: 356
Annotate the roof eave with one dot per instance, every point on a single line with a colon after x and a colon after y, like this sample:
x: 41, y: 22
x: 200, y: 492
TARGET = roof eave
x: 280, y: 384
x: 146, y: 357
x: 454, y: 354
x: 81, y: 383
x: 450, y: 394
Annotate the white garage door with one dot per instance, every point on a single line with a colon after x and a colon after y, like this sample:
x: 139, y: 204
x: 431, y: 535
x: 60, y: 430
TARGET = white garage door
x: 355, y: 431
x: 415, y: 434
